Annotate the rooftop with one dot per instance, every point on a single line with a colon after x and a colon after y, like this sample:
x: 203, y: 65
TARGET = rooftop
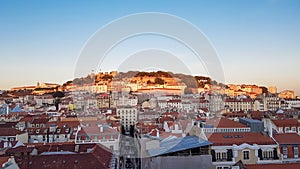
x: 9, y: 132
x: 286, y: 122
x: 239, y: 138
x: 178, y: 144
x: 287, y: 138
x: 274, y: 166
x: 224, y: 123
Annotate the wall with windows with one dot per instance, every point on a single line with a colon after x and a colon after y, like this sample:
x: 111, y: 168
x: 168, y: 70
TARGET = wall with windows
x: 247, y: 156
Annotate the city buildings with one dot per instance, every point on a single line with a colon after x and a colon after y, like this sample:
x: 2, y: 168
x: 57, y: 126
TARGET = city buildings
x: 144, y: 124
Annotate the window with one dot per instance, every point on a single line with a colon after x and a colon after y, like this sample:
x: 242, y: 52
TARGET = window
x: 294, y: 129
x: 221, y: 156
x: 267, y: 154
x: 111, y: 147
x: 223, y: 167
x: 284, y: 152
x: 246, y: 155
x: 296, y: 155
x: 286, y: 129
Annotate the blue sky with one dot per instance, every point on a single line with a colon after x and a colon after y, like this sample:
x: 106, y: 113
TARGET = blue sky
x: 257, y: 41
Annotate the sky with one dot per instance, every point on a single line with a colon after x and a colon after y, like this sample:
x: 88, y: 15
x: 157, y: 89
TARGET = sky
x: 257, y: 41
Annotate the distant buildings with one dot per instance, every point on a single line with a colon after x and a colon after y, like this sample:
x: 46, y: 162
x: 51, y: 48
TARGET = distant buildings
x: 287, y: 94
x: 128, y: 116
x: 105, y: 119
x: 239, y: 104
x: 272, y: 89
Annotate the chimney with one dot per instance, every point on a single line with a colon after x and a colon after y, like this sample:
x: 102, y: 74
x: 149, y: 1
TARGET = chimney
x: 270, y: 129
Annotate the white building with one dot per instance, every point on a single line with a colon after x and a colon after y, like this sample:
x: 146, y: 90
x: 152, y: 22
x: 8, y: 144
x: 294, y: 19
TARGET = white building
x: 103, y: 134
x: 126, y: 101
x: 44, y: 99
x: 293, y: 103
x: 128, y: 116
x: 239, y: 104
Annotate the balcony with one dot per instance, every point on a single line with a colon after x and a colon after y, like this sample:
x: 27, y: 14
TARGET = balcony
x: 268, y: 161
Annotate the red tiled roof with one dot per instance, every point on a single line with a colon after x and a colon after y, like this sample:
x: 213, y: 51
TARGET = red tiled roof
x: 9, y: 132
x: 20, y: 149
x: 65, y: 146
x: 39, y: 121
x: 230, y: 115
x: 3, y: 160
x: 26, y: 119
x: 174, y: 101
x: 146, y: 128
x: 286, y: 123
x: 8, y: 125
x: 239, y: 138
x: 287, y: 138
x: 225, y: 123
x: 96, y: 130
x: 72, y: 124
x: 98, y: 158
x: 273, y: 166
x: 258, y: 115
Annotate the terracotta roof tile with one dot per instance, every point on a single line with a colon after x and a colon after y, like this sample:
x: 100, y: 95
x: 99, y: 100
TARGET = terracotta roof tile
x: 286, y: 123
x: 3, y: 160
x: 287, y: 138
x: 225, y: 123
x: 274, y: 166
x: 9, y: 132
x: 239, y: 138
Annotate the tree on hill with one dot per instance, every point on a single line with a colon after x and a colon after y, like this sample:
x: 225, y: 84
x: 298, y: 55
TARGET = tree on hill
x: 159, y: 80
x: 264, y: 89
x: 58, y: 94
x: 107, y: 77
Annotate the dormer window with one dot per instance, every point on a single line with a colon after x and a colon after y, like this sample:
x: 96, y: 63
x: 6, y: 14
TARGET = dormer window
x: 284, y: 151
x: 37, y: 126
x: 286, y: 129
x: 296, y: 152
